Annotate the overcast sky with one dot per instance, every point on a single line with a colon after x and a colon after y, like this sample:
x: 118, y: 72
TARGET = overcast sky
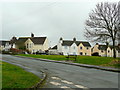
x: 52, y: 19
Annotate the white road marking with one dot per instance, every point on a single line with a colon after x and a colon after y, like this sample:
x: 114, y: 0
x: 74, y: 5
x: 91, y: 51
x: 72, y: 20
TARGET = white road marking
x: 80, y: 86
x: 67, y: 82
x: 55, y: 78
x: 55, y: 83
x: 64, y: 87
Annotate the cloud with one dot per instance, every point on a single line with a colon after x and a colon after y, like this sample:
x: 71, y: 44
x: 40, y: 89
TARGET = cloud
x: 51, y: 19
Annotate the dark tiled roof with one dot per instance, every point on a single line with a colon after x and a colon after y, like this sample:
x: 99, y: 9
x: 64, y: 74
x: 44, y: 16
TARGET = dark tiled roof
x: 21, y: 40
x: 38, y: 40
x: 116, y: 47
x: 102, y: 47
x: 67, y: 43
x: 4, y: 42
x: 35, y: 40
x: 87, y: 44
x: 55, y: 47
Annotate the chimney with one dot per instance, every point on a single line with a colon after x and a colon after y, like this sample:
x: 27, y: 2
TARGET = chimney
x: 32, y: 35
x: 61, y: 40
x: 97, y: 44
x: 74, y: 39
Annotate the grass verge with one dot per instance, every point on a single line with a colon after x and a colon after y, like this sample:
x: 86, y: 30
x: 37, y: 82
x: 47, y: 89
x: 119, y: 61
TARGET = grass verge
x: 91, y: 60
x: 15, y: 77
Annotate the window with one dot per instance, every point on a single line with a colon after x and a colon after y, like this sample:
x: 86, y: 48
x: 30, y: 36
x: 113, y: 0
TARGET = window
x: 74, y: 47
x: 30, y: 45
x: 81, y: 53
x: 85, y: 53
x: 102, y: 51
x: 87, y: 48
x: 65, y: 47
x: 27, y: 45
x: 80, y: 47
x: 108, y: 51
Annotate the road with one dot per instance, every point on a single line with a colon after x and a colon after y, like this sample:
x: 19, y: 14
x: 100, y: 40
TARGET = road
x: 67, y: 76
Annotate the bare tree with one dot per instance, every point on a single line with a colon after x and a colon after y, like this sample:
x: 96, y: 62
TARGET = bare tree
x: 103, y: 23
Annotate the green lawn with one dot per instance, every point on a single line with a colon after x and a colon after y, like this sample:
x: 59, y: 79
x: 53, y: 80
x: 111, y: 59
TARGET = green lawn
x: 91, y: 60
x: 15, y: 77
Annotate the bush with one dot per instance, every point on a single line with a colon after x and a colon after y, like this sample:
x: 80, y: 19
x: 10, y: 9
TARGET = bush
x: 15, y: 51
x: 5, y: 52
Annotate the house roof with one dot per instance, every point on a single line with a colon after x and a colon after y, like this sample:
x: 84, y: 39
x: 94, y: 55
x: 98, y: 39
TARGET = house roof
x: 21, y: 40
x: 102, y: 47
x: 55, y: 47
x: 4, y: 42
x: 38, y: 40
x: 87, y: 44
x: 116, y: 47
x: 69, y: 43
x: 35, y: 40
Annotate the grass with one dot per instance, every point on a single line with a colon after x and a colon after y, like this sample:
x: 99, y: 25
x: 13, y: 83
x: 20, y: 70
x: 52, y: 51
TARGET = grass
x: 91, y: 60
x: 15, y: 77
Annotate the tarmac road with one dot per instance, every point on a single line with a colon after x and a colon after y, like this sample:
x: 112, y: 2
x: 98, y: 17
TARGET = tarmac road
x: 66, y: 76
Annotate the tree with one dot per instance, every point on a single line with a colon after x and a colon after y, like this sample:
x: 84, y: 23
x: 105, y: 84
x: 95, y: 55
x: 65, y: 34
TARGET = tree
x: 103, y: 23
x: 12, y: 41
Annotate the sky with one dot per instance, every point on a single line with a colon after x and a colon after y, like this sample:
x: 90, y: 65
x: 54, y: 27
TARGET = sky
x: 51, y: 18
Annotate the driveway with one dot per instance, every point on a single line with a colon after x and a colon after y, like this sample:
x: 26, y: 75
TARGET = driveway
x: 67, y: 76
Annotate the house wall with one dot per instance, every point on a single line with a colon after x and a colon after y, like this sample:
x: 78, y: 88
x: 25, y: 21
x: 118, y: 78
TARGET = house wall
x: 102, y: 53
x: 53, y: 51
x: 105, y: 52
x: 13, y: 45
x: 59, y: 46
x: 95, y: 49
x: 66, y: 50
x: 45, y: 45
x: 6, y: 47
x: 119, y: 54
x: 1, y: 48
x: 36, y: 47
x: 109, y: 52
x: 84, y: 50
x: 73, y: 49
x: 29, y: 45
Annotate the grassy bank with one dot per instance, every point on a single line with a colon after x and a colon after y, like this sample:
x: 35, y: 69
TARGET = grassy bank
x: 91, y: 60
x: 15, y: 77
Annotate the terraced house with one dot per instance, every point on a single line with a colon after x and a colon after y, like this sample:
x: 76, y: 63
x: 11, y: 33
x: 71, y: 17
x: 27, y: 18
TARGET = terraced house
x: 67, y: 47
x: 104, y: 50
x: 33, y: 44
